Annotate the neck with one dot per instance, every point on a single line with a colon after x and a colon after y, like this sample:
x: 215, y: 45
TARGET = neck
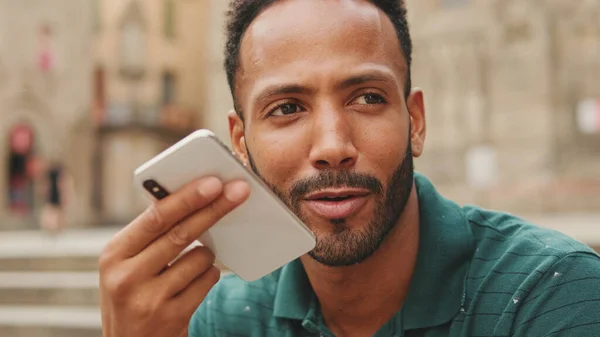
x: 363, y: 297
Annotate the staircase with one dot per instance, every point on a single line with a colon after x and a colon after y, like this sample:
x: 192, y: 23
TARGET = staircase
x: 49, y: 285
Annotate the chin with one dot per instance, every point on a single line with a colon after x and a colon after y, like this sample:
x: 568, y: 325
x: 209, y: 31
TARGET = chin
x: 345, y: 242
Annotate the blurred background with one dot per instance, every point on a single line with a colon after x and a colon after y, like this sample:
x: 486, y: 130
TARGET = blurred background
x: 90, y: 89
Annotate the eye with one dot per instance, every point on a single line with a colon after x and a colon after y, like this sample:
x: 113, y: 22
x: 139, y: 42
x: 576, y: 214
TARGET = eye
x: 285, y: 109
x: 369, y: 99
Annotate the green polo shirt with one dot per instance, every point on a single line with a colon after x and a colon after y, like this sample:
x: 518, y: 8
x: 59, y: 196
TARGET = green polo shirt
x: 478, y: 273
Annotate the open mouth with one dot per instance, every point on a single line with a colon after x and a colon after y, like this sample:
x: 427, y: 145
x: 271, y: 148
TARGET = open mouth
x: 337, y: 204
x: 337, y: 194
x: 339, y: 198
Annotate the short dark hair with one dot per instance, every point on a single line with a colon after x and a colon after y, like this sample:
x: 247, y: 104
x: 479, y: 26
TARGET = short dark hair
x: 241, y: 13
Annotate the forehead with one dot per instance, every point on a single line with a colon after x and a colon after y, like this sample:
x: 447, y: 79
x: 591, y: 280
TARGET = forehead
x: 296, y: 38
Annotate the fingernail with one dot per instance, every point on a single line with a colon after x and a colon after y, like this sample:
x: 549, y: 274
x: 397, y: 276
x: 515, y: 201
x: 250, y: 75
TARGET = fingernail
x: 210, y: 187
x: 236, y: 191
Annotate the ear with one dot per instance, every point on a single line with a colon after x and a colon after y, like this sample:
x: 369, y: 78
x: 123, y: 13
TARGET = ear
x: 416, y: 109
x: 236, y: 133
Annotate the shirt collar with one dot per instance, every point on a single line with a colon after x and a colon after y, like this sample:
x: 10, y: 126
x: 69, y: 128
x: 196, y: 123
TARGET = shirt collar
x: 436, y: 292
x: 294, y: 292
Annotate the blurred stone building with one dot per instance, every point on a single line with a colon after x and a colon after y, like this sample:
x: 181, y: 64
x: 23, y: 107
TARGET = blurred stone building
x: 99, y: 86
x: 45, y: 71
x: 512, y: 91
x: 149, y: 82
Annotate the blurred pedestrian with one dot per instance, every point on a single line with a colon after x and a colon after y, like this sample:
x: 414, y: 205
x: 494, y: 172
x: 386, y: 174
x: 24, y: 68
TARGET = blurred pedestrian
x: 55, y: 197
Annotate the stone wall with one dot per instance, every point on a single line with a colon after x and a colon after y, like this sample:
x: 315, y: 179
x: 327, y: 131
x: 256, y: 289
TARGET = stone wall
x: 53, y: 102
x: 506, y: 76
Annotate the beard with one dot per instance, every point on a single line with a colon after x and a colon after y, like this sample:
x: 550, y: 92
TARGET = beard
x: 344, y: 245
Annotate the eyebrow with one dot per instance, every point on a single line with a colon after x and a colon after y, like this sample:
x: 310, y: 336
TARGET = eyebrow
x: 276, y: 90
x: 283, y: 89
x: 362, y: 79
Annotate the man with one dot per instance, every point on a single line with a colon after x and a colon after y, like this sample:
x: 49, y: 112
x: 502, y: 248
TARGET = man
x: 323, y: 103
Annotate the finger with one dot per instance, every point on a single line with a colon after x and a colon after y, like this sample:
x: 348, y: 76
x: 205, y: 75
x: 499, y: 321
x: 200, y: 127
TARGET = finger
x: 159, y: 253
x: 163, y: 215
x: 185, y: 270
x: 188, y: 300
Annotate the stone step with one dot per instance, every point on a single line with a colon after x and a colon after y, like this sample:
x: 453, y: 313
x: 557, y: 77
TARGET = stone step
x: 49, y: 288
x: 75, y: 250
x: 41, y: 331
x: 49, y: 321
x: 50, y: 263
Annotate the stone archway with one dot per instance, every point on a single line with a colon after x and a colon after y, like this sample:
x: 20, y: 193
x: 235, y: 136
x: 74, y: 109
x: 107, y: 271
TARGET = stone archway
x: 21, y: 155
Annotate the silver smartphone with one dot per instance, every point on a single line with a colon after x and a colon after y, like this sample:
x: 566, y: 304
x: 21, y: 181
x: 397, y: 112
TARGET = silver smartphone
x: 253, y: 240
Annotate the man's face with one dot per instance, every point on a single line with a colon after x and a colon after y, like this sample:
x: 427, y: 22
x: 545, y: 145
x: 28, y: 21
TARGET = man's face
x: 326, y: 123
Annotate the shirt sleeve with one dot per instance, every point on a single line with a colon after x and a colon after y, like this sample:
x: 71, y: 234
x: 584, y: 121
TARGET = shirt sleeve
x: 565, y: 302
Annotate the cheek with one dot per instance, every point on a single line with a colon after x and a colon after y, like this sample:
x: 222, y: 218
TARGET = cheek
x: 279, y: 156
x: 383, y: 145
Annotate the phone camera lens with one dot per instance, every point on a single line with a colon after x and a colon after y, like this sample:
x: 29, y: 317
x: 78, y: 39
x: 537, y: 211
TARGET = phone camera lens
x: 149, y: 184
x: 155, y: 189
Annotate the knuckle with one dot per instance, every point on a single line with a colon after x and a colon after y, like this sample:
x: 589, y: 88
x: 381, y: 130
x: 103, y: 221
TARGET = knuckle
x: 142, y: 308
x: 219, y: 208
x: 155, y: 221
x: 206, y: 254
x: 118, y: 284
x: 179, y: 236
x: 194, y: 263
x: 198, y: 262
x: 213, y: 275
x: 105, y: 259
x: 184, y: 269
x: 188, y: 204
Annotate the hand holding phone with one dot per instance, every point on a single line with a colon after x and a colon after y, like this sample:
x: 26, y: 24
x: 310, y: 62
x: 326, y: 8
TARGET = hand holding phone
x: 199, y: 191
x: 140, y: 293
x: 252, y: 240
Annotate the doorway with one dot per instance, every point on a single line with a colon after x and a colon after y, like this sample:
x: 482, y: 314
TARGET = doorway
x: 21, y: 170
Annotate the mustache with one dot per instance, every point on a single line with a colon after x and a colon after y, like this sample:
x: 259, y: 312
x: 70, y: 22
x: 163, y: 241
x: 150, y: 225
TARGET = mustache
x: 335, y: 179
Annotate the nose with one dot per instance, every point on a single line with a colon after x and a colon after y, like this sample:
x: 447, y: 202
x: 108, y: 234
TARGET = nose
x: 332, y: 146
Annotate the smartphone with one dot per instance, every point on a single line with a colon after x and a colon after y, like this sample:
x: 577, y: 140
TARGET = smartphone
x: 253, y: 240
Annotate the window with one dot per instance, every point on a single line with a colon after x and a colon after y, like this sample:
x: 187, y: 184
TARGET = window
x: 133, y: 47
x: 169, y: 18
x: 168, y: 88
